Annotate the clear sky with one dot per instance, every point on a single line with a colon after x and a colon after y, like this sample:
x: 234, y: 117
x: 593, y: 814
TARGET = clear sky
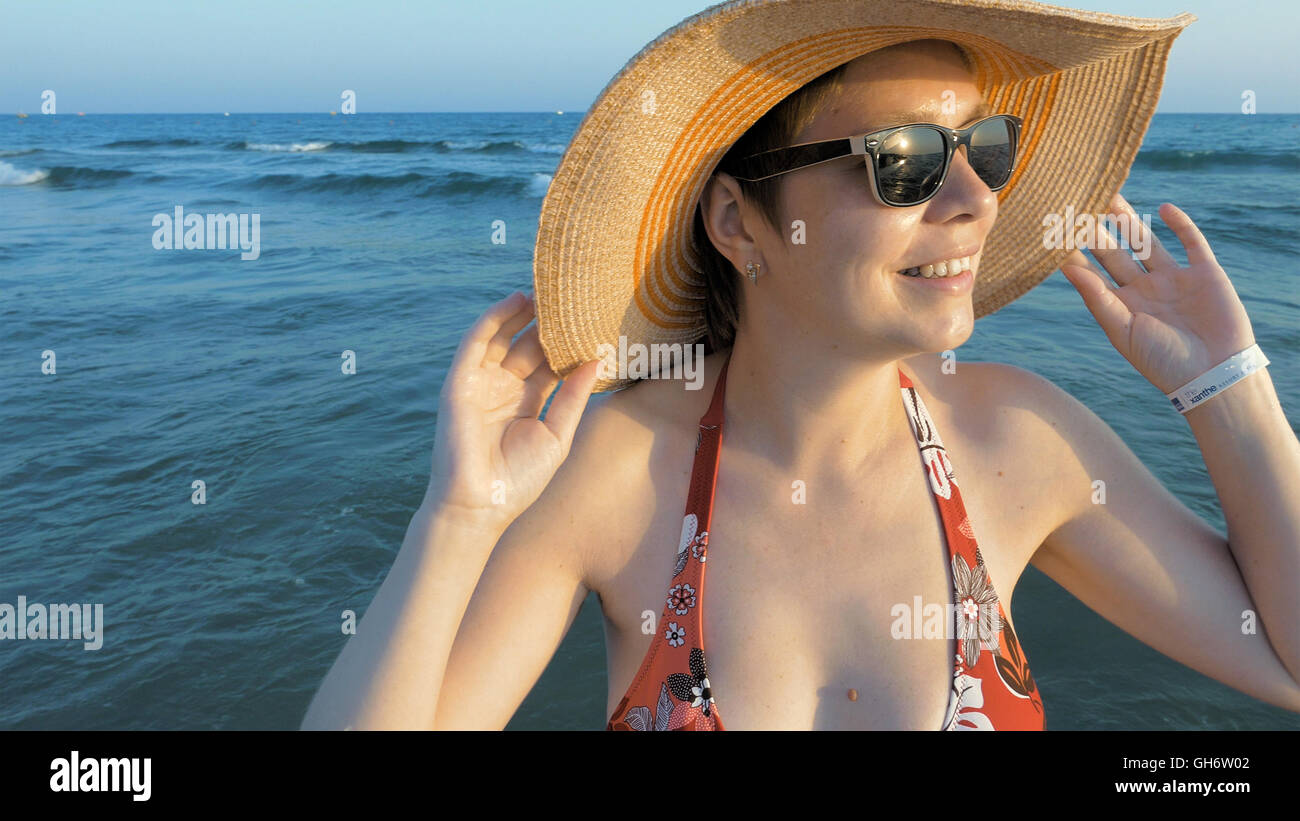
x: 463, y: 55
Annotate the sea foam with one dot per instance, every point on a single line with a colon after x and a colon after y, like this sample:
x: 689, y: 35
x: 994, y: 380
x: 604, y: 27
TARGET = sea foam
x: 16, y: 176
x: 311, y: 146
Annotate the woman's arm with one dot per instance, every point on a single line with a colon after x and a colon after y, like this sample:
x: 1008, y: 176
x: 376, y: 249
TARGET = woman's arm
x: 1253, y: 458
x: 492, y: 458
x: 1143, y: 560
x: 389, y: 674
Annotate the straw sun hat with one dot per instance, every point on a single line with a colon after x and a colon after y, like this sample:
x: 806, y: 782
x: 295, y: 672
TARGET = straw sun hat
x: 614, y: 254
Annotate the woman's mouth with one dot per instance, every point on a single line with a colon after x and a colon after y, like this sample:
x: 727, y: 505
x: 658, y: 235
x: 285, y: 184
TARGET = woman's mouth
x: 939, y: 269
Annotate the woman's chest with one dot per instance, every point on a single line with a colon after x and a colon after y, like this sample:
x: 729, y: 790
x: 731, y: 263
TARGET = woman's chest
x: 831, y: 604
x: 816, y: 609
x: 808, y: 620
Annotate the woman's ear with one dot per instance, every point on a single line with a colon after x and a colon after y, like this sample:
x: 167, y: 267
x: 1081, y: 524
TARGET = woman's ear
x: 722, y: 212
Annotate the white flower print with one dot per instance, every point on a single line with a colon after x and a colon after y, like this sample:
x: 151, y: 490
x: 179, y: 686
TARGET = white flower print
x: 977, y: 608
x: 967, y: 693
x: 702, y: 693
x: 700, y: 546
x: 935, y: 456
x: 675, y: 635
x: 690, y: 524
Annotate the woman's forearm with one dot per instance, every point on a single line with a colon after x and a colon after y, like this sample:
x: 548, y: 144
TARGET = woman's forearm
x: 389, y: 674
x: 1253, y: 459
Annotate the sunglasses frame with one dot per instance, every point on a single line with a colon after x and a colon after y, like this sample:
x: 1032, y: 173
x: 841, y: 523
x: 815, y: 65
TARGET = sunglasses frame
x: 868, y: 146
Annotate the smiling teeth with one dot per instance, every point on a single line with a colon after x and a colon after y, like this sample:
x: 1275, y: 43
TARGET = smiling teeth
x: 947, y: 268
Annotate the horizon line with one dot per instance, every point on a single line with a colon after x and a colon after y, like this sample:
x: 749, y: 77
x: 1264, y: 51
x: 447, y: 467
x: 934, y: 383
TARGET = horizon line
x: 552, y: 112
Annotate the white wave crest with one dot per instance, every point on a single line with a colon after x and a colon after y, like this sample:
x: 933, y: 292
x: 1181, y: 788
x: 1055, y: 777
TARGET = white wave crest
x: 312, y: 146
x: 16, y: 176
x: 548, y: 148
x: 539, y: 184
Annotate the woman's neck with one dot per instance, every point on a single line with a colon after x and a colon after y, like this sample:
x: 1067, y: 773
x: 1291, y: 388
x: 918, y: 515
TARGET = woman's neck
x: 813, y: 411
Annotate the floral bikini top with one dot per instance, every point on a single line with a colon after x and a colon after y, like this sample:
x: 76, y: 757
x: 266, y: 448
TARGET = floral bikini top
x: 992, y: 687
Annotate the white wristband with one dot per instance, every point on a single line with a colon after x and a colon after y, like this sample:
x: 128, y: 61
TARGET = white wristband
x: 1217, y: 379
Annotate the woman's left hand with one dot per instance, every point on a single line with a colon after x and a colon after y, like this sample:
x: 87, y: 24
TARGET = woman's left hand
x: 1172, y: 323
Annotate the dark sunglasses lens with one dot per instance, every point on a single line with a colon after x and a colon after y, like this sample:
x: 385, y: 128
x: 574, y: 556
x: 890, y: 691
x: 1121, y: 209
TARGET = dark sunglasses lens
x: 992, y: 151
x: 909, y: 165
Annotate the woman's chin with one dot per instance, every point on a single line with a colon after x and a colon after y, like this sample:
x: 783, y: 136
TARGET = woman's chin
x: 944, y: 334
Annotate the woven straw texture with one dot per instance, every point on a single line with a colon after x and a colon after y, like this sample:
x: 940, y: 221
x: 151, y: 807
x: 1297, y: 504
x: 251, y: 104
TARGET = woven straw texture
x: 614, y: 255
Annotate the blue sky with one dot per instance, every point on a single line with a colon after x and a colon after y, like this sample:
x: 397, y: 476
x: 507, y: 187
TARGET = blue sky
x: 133, y: 56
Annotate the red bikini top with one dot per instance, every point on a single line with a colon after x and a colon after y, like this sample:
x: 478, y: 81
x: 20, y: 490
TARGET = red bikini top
x: 992, y: 687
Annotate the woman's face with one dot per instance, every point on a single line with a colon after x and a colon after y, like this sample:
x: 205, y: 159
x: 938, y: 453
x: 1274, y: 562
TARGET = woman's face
x: 843, y: 282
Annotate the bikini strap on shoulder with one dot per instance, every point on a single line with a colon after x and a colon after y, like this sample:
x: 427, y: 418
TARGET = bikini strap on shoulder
x: 713, y: 416
x: 903, y: 381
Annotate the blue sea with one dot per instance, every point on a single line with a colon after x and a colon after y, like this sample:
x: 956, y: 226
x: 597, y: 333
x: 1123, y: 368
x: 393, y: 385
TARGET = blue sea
x: 175, y: 367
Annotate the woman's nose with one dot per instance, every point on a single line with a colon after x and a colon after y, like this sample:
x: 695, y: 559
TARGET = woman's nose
x: 963, y: 192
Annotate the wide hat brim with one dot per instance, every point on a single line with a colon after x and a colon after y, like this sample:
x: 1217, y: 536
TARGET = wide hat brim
x: 614, y: 256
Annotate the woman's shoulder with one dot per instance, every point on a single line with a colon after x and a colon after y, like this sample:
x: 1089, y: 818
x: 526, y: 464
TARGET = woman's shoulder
x: 975, y: 387
x: 631, y: 428
x: 669, y: 398
x: 628, y: 445
x: 1019, y: 443
x: 1004, y: 413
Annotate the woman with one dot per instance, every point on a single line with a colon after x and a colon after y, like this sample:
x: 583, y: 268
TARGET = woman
x: 820, y: 533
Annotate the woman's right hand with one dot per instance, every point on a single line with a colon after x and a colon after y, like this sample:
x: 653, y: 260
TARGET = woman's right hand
x: 492, y: 456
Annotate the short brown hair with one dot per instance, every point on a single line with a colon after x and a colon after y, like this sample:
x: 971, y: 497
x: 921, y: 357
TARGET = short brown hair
x: 775, y: 129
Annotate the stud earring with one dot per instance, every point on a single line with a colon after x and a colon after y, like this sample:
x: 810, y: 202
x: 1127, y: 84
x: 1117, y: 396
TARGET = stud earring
x: 752, y: 269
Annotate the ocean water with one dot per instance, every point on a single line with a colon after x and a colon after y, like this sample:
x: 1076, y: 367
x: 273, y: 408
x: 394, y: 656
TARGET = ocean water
x: 375, y: 237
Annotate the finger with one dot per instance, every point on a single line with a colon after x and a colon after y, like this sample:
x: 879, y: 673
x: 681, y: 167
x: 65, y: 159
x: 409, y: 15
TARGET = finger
x: 1146, y: 246
x: 525, y: 355
x: 1194, y: 242
x: 537, y: 389
x: 1118, y: 262
x: 567, y: 407
x: 1102, y: 301
x: 500, y: 343
x: 473, y: 345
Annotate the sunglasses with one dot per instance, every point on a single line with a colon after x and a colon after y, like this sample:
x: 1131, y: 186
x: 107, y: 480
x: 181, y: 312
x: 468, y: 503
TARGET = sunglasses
x: 907, y: 163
